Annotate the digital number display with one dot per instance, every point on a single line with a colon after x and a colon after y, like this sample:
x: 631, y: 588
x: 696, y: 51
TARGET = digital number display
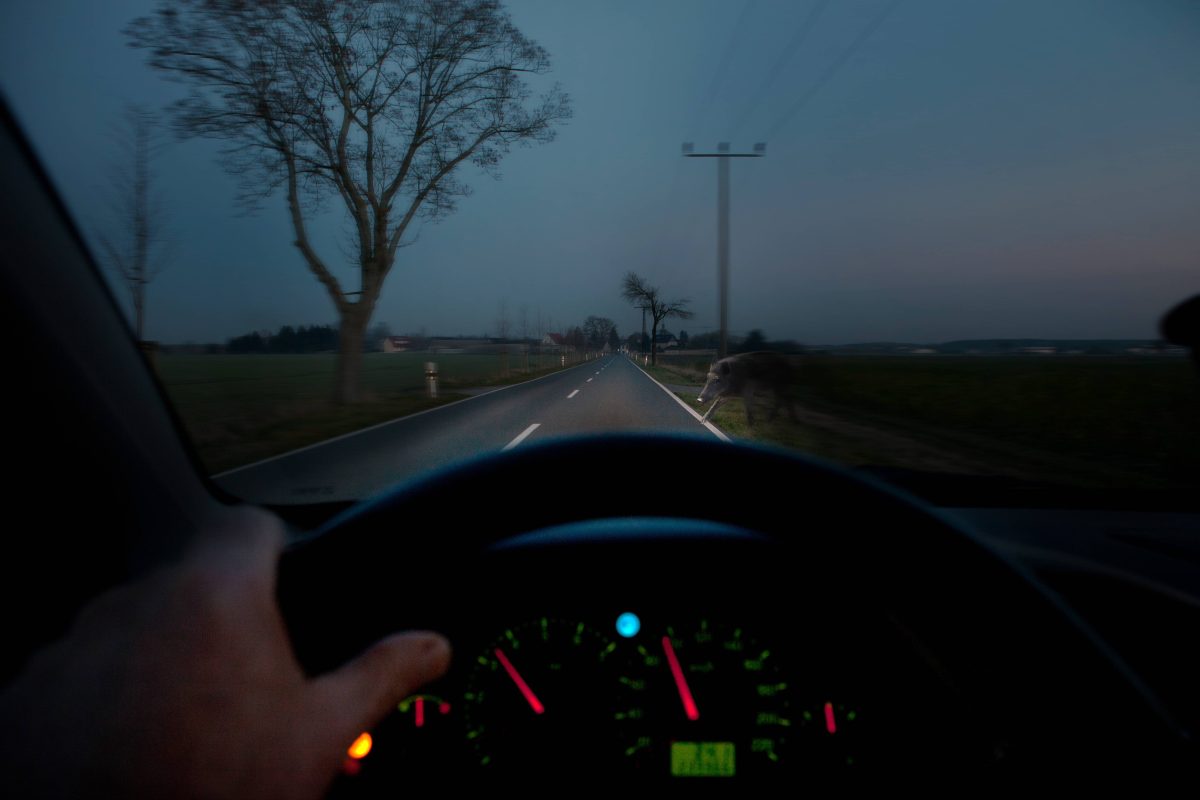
x: 702, y: 759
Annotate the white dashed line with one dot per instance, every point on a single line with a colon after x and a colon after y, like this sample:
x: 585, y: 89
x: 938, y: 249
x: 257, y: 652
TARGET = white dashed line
x: 589, y: 380
x: 523, y: 435
x: 572, y: 394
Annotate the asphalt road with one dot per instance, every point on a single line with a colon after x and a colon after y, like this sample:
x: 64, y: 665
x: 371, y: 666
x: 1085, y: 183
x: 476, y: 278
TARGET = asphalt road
x: 606, y: 395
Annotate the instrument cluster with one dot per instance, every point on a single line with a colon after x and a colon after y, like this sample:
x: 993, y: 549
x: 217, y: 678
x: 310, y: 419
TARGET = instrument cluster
x: 637, y: 693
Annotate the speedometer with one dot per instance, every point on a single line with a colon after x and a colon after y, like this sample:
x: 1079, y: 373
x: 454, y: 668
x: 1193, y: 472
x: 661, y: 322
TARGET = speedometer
x: 709, y: 701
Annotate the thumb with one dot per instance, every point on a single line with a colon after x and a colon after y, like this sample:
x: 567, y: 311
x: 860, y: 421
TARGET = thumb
x: 359, y: 694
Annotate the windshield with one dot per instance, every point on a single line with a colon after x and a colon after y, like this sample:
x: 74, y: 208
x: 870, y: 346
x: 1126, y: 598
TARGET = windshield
x: 357, y: 241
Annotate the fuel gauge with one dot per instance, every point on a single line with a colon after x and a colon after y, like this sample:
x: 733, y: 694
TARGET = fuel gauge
x: 424, y: 710
x: 413, y: 747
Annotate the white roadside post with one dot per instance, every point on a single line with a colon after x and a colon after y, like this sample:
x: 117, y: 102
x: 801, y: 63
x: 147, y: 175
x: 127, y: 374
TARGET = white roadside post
x: 431, y: 378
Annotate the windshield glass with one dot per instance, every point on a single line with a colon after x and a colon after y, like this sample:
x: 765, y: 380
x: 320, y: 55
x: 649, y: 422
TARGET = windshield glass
x: 357, y: 241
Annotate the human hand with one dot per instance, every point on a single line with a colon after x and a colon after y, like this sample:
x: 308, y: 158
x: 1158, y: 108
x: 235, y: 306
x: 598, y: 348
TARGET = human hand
x: 185, y: 684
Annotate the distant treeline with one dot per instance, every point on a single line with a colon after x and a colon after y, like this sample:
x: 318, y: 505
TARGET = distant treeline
x: 1012, y: 347
x: 302, y: 339
x: 756, y: 340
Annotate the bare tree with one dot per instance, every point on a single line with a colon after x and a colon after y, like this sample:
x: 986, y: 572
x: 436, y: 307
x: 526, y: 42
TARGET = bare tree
x: 136, y: 243
x: 375, y: 103
x: 597, y: 329
x: 643, y: 295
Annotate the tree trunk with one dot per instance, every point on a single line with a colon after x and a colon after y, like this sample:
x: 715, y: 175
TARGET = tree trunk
x: 351, y: 332
x: 654, y: 343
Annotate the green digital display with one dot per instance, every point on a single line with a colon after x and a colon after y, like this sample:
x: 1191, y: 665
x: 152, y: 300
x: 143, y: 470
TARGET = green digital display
x: 702, y: 759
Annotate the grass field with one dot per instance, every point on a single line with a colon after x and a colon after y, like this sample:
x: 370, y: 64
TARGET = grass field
x: 242, y: 408
x: 1087, y: 421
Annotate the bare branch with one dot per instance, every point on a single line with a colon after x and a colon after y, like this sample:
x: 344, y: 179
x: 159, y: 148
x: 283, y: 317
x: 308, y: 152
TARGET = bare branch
x: 135, y: 242
x: 378, y: 103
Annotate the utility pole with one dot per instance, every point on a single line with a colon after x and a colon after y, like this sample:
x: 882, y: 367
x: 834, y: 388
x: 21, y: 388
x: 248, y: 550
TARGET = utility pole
x: 642, y: 341
x: 723, y: 155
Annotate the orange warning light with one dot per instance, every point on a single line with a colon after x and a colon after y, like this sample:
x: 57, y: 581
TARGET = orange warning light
x: 361, y: 746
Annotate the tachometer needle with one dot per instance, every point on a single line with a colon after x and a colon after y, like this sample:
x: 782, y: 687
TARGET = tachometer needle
x: 685, y: 694
x: 830, y: 722
x: 530, y: 697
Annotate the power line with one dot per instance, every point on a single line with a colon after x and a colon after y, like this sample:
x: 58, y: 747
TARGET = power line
x: 834, y: 67
x: 789, y: 50
x: 723, y: 63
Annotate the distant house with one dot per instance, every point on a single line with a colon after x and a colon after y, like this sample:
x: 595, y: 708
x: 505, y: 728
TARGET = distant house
x: 555, y: 342
x: 665, y: 339
x: 397, y: 344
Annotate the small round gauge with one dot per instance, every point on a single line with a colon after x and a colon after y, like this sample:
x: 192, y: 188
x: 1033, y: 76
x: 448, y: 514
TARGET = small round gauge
x: 413, y: 747
x: 830, y: 735
x: 537, y: 697
x: 709, y: 701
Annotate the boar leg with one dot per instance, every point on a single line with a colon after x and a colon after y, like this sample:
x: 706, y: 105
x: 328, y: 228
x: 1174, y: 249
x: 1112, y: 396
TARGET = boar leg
x: 712, y: 408
x: 748, y: 400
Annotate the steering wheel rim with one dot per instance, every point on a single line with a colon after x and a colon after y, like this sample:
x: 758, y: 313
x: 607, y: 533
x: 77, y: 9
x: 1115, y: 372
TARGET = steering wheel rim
x: 1024, y: 648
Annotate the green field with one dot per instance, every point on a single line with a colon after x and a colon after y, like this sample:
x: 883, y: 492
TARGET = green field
x: 1088, y: 421
x: 242, y: 408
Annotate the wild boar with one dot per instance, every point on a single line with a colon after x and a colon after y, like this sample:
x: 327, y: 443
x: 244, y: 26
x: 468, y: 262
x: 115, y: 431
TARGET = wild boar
x: 746, y: 374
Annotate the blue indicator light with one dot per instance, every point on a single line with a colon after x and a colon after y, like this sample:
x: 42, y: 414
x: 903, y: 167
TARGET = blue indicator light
x: 628, y: 624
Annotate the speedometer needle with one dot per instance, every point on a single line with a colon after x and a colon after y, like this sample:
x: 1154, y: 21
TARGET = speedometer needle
x: 685, y: 694
x: 530, y: 697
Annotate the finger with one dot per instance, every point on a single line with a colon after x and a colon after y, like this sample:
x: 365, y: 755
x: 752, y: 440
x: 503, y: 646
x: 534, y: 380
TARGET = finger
x: 361, y: 693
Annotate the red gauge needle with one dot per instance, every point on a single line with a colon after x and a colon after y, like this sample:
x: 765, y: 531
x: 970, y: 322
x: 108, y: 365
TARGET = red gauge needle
x: 830, y: 723
x: 685, y: 694
x: 530, y: 697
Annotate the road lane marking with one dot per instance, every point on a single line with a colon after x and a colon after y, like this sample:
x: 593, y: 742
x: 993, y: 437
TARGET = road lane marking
x: 589, y: 380
x: 572, y: 394
x: 713, y: 428
x: 523, y: 435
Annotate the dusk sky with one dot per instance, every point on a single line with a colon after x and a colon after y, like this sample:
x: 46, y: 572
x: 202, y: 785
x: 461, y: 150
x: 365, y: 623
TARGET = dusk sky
x: 935, y: 170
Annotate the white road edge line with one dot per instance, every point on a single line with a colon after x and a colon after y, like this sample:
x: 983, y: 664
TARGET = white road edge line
x: 521, y: 438
x: 572, y: 394
x: 388, y: 422
x: 713, y: 428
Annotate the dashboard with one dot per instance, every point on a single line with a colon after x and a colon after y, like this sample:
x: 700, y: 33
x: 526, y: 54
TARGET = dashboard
x: 659, y: 651
x: 598, y: 643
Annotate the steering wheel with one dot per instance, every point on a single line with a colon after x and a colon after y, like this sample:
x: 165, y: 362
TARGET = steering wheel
x: 1012, y: 683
